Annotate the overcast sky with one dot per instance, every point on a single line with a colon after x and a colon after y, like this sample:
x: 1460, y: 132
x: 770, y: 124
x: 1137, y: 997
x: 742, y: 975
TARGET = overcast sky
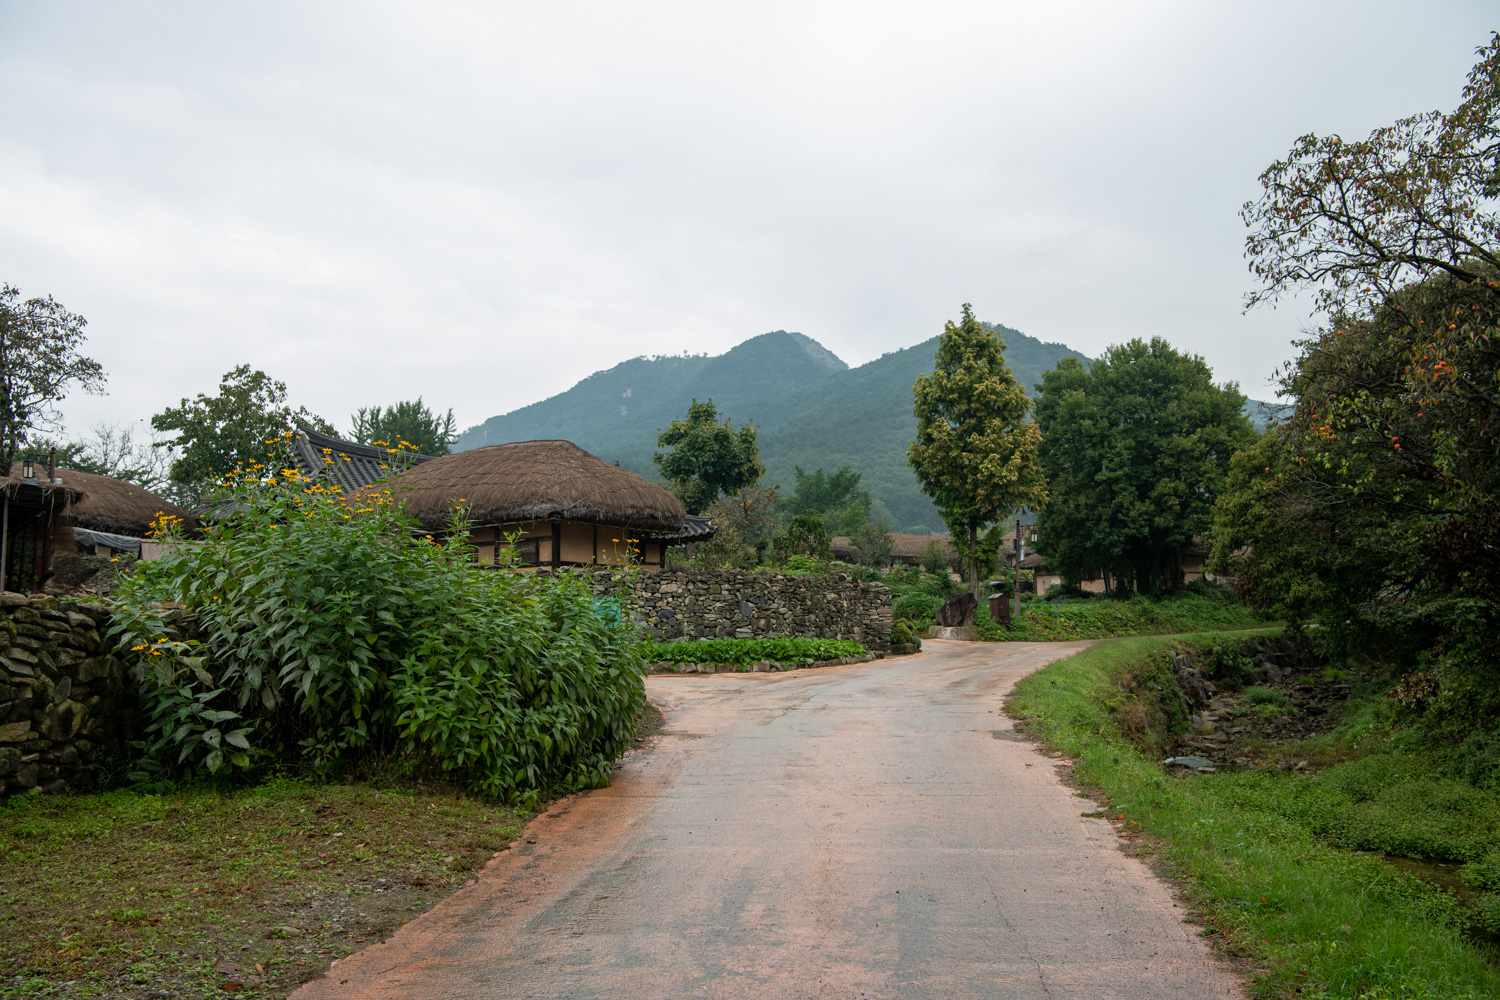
x: 484, y: 203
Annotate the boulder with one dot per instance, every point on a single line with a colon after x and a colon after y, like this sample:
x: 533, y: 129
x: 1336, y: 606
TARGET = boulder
x: 957, y: 611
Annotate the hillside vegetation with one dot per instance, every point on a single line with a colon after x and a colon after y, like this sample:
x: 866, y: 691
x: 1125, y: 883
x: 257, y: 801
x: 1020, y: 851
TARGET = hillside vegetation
x: 811, y: 409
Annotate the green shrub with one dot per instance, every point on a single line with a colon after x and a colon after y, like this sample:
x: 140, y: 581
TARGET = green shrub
x: 1484, y: 873
x: 1102, y: 618
x: 1488, y: 915
x: 1265, y: 696
x: 900, y: 632
x: 917, y: 607
x: 332, y: 631
x: 743, y: 652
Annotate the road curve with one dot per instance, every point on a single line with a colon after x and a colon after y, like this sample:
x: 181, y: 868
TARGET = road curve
x: 862, y: 831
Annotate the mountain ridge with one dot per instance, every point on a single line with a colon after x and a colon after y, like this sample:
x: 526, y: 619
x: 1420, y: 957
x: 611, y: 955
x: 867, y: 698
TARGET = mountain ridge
x: 810, y: 408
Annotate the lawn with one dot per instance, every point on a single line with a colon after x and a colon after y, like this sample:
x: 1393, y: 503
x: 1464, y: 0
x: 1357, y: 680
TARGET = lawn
x: 1288, y: 868
x: 252, y: 891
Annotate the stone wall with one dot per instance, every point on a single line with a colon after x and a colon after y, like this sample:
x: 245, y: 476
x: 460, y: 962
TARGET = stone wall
x: 64, y: 703
x: 691, y: 604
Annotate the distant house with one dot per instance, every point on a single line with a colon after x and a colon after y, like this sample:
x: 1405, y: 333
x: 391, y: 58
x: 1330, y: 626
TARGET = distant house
x: 565, y: 506
x: 907, y: 550
x: 1193, y: 563
x: 75, y: 512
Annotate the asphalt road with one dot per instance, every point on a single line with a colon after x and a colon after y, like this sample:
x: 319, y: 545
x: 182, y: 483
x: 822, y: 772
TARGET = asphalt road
x: 862, y: 831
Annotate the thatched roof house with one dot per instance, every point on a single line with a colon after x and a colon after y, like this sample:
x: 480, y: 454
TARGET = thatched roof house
x: 907, y: 549
x: 569, y: 507
x: 108, y: 512
x: 33, y: 519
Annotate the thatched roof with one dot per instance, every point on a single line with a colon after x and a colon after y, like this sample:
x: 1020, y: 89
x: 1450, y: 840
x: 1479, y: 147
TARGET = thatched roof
x: 906, y: 547
x: 111, y: 505
x: 531, y: 481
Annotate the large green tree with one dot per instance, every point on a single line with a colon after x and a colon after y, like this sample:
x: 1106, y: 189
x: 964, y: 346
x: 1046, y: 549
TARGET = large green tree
x: 707, y: 458
x: 1135, y: 450
x: 975, y: 453
x: 39, y: 362
x: 243, y: 427
x: 1375, y: 507
x: 411, y: 421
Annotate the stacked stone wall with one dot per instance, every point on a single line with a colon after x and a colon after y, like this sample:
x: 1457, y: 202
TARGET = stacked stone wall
x: 65, y: 706
x: 689, y: 604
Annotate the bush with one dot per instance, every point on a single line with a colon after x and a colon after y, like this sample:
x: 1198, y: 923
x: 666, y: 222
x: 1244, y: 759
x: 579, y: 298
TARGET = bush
x: 916, y: 607
x: 333, y: 630
x: 743, y: 652
x: 1066, y: 591
x: 901, y: 632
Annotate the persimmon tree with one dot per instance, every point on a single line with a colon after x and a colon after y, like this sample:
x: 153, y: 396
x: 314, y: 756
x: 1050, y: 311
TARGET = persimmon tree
x: 39, y: 363
x: 975, y: 453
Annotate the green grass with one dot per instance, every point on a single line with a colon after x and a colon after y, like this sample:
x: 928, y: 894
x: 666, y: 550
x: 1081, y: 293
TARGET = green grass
x: 743, y: 652
x: 120, y: 892
x: 1276, y: 860
x: 1101, y: 618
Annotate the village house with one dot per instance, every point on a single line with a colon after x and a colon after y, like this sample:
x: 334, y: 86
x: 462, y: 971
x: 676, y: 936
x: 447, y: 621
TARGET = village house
x: 564, y: 506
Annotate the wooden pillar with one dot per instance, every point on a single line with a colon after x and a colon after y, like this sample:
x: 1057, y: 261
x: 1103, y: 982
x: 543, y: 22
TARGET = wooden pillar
x: 556, y: 542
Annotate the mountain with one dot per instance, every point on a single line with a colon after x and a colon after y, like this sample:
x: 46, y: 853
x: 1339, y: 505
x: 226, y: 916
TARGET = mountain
x: 810, y: 407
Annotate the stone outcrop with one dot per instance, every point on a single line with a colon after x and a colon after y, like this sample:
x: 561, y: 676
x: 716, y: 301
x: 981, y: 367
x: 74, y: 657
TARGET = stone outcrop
x: 690, y: 604
x: 958, y: 611
x: 64, y: 700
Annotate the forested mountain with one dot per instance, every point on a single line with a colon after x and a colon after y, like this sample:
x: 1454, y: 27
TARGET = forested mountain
x: 810, y: 407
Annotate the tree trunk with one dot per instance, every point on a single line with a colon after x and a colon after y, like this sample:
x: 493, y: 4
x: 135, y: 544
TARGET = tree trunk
x: 974, y: 560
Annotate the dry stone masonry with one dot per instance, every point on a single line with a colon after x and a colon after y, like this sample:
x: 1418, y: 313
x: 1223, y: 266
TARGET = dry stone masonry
x: 691, y: 604
x: 62, y: 693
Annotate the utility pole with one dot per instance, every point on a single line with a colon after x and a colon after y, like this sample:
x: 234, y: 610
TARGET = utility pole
x: 1018, y: 569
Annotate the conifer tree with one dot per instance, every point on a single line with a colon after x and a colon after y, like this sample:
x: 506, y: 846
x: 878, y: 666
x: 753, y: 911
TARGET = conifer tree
x: 975, y: 452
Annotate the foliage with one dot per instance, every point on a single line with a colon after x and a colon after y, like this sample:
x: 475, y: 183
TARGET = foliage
x: 1268, y: 879
x: 974, y: 452
x: 1103, y: 618
x: 39, y: 361
x: 1375, y: 507
x: 727, y: 550
x: 410, y: 421
x: 1358, y: 221
x: 333, y: 631
x: 803, y: 536
x: 822, y: 492
x: 743, y: 652
x: 749, y: 511
x: 872, y: 544
x: 901, y: 632
x: 1136, y: 449
x: 239, y: 428
x: 935, y: 558
x: 708, y: 459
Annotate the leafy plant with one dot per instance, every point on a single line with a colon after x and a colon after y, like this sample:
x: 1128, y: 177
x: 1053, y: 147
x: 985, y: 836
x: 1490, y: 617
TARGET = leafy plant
x: 743, y: 652
x: 329, y: 629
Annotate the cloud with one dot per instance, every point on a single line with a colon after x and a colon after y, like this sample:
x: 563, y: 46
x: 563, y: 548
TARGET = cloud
x: 484, y: 203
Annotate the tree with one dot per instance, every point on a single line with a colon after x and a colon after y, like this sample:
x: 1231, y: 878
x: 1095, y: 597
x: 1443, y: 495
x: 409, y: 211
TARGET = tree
x: 804, y: 536
x: 112, y: 450
x: 872, y: 544
x: 823, y: 492
x: 749, y: 511
x: 1356, y: 221
x: 410, y: 421
x: 975, y: 454
x: 1135, y: 449
x: 243, y: 427
x: 39, y: 362
x: 1375, y: 507
x: 708, y: 458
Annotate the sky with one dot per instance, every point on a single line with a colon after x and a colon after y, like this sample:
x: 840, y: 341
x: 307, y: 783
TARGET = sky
x: 482, y: 204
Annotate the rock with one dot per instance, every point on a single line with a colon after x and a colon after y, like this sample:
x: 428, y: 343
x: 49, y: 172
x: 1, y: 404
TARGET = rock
x: 63, y: 690
x: 11, y: 599
x: 19, y: 655
x: 10, y: 760
x: 26, y: 775
x: 15, y: 732
x: 1192, y: 760
x: 958, y: 610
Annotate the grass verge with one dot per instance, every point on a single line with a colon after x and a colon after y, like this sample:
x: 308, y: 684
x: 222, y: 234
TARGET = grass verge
x: 1101, y: 618
x: 252, y: 891
x: 1254, y: 850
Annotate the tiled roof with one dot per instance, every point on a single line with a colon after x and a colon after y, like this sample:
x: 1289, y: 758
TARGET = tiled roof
x: 350, y: 465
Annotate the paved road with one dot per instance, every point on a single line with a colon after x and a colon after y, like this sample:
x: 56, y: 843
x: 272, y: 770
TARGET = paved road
x: 864, y: 831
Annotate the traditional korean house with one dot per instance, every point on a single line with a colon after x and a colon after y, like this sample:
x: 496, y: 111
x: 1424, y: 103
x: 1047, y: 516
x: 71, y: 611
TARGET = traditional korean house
x: 33, y: 523
x: 566, y: 506
x: 102, y: 516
